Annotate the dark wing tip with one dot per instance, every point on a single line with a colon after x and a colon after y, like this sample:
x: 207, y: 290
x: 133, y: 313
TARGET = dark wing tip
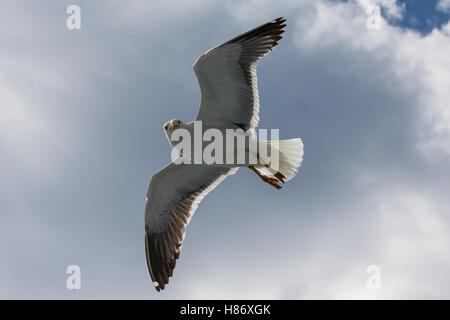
x: 272, y: 29
x: 159, y: 266
x: 279, y: 20
x: 163, y: 249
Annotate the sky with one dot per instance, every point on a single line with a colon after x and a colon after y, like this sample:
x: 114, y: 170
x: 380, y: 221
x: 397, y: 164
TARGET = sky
x: 81, y: 115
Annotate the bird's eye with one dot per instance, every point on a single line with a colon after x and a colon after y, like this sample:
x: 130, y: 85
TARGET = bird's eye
x: 166, y: 127
x: 178, y: 121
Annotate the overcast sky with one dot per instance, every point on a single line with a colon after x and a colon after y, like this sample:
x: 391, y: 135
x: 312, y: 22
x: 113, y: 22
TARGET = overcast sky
x: 81, y: 115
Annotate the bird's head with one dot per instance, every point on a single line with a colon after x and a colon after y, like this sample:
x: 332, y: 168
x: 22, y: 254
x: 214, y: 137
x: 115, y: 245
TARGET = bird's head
x: 171, y: 125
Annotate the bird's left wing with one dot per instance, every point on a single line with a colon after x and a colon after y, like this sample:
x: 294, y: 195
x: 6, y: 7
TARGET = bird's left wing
x: 172, y: 197
x: 227, y: 77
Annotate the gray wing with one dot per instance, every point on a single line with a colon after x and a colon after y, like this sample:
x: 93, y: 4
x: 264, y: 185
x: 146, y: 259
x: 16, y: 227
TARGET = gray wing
x: 172, y: 197
x: 227, y: 77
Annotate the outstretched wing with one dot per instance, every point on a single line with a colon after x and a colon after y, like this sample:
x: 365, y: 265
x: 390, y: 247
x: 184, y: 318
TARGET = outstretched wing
x: 227, y: 77
x: 172, y: 197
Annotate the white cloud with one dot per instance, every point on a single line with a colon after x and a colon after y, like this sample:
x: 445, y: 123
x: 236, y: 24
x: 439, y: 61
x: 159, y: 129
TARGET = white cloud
x: 403, y: 232
x: 446, y: 28
x: 422, y: 63
x: 443, y: 5
x: 16, y: 121
x: 21, y: 131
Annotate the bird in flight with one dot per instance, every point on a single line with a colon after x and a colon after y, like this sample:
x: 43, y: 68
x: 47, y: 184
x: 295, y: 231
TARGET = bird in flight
x: 229, y: 100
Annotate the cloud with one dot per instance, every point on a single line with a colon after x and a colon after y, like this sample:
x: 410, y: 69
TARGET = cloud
x: 443, y: 5
x: 404, y: 233
x: 420, y: 62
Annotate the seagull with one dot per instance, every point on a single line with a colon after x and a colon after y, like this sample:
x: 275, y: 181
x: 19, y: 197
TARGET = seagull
x: 229, y: 100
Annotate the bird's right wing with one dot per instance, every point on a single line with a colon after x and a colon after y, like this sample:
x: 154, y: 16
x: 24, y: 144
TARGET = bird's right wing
x: 227, y: 77
x: 172, y: 197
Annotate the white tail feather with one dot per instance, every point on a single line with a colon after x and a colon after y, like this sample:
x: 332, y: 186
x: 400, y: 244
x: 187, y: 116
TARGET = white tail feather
x: 289, y: 160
